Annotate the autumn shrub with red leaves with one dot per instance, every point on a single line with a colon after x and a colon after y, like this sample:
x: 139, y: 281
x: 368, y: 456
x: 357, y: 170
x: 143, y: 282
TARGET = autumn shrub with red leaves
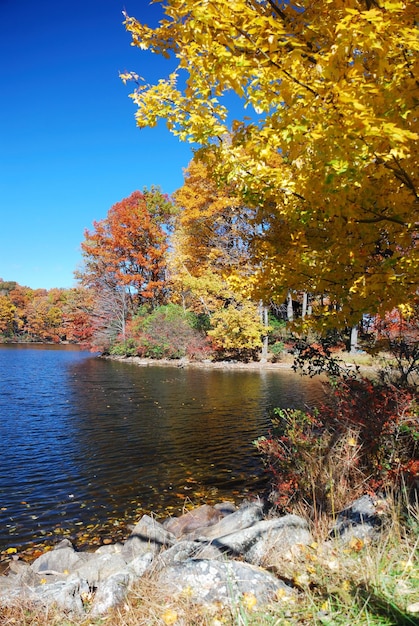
x: 364, y: 438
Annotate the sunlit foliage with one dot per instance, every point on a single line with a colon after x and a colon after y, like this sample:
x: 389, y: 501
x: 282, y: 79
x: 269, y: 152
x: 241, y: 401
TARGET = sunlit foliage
x: 328, y: 151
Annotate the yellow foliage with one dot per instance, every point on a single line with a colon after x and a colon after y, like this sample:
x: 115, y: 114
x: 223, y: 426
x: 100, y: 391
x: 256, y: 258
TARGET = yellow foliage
x: 326, y: 152
x: 237, y: 328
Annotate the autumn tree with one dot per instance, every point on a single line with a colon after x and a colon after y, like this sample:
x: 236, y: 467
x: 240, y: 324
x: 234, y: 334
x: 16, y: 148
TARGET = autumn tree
x: 125, y: 258
x: 211, y: 261
x: 327, y: 150
x: 7, y: 316
x: 128, y: 248
x: 211, y: 238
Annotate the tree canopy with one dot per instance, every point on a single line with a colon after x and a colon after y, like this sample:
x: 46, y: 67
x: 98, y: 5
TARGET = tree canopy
x: 327, y: 154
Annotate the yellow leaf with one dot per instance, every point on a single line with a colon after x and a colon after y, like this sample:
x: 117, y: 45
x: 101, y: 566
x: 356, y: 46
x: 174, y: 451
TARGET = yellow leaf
x: 249, y: 600
x: 169, y: 617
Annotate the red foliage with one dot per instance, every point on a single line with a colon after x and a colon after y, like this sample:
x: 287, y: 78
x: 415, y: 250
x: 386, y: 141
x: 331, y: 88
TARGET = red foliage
x: 365, y: 437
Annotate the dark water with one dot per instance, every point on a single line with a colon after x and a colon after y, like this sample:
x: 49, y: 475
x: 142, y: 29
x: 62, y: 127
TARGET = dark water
x: 87, y: 443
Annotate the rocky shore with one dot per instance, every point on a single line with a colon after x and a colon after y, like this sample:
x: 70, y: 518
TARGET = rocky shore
x: 220, y: 554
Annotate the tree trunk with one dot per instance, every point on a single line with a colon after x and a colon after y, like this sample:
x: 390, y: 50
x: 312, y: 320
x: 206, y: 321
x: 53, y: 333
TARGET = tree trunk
x: 304, y: 310
x: 354, y: 339
x: 290, y: 310
x: 265, y: 321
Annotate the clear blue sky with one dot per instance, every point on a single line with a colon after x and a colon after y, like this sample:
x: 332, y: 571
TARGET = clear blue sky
x: 69, y: 147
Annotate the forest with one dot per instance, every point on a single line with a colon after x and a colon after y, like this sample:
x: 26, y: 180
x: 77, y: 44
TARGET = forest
x: 297, y: 210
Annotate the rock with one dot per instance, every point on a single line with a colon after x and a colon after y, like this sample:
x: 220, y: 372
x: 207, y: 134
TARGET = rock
x: 58, y: 561
x: 201, y: 517
x: 226, y: 508
x: 138, y: 566
x: 247, y: 515
x: 21, y: 573
x: 9, y: 590
x: 226, y: 582
x: 66, y: 595
x: 360, y: 519
x: 110, y: 593
x: 267, y: 538
x: 184, y: 550
x: 114, y: 548
x: 98, y: 567
x: 148, y: 535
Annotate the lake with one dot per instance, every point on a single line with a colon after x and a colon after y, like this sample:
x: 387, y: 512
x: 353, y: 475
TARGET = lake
x: 90, y: 444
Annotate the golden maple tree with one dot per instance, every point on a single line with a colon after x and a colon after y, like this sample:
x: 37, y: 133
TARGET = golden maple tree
x: 327, y: 149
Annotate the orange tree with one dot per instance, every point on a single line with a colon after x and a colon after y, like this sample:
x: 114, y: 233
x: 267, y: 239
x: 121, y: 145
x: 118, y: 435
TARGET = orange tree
x: 128, y: 248
x: 125, y: 259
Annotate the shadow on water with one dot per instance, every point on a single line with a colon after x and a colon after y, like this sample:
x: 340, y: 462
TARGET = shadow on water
x: 90, y: 444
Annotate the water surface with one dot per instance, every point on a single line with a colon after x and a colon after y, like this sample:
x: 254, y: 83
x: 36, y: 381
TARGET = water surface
x: 88, y: 444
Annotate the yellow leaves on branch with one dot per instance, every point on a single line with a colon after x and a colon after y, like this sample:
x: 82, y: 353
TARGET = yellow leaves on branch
x: 237, y: 328
x: 326, y: 150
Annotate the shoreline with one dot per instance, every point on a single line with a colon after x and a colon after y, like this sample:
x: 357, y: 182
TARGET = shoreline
x: 285, y: 364
x: 185, y: 363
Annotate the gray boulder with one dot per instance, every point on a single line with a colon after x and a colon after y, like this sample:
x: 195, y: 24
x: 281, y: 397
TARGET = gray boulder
x: 226, y: 582
x: 148, y: 535
x: 361, y: 519
x: 184, y: 550
x: 62, y: 559
x: 98, y: 567
x: 67, y: 595
x: 266, y: 539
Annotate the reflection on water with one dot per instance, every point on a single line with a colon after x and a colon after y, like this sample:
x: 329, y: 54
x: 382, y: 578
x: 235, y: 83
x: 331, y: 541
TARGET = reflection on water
x: 87, y: 441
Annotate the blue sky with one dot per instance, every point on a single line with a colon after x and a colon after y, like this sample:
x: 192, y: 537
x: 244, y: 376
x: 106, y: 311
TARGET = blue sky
x: 69, y: 147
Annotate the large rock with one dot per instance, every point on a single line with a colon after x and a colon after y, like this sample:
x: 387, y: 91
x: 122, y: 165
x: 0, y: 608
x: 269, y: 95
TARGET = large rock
x: 110, y: 593
x: 267, y: 539
x: 61, y: 560
x: 360, y: 520
x: 98, y: 567
x: 226, y: 582
x: 67, y: 595
x: 184, y: 550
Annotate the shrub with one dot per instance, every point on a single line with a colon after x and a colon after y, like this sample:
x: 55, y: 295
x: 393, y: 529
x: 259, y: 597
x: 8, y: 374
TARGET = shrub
x: 365, y: 437
x: 169, y: 332
x: 125, y: 348
x: 277, y: 349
